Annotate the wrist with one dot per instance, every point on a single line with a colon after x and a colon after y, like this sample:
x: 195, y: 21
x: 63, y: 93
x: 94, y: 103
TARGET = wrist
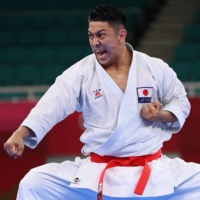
x: 166, y: 116
x: 23, y: 132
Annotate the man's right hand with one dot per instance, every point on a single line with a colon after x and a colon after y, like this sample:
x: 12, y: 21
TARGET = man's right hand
x: 15, y: 144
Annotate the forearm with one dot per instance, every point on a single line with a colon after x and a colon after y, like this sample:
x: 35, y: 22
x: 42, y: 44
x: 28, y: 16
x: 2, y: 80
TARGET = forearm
x: 23, y: 132
x: 166, y: 116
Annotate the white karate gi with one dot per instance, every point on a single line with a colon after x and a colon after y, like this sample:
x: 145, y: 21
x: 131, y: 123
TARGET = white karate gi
x: 113, y: 127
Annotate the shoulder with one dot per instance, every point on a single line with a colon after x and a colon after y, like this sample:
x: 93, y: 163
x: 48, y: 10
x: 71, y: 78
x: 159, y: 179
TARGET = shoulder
x: 82, y: 67
x: 78, y: 73
x: 149, y: 60
x: 155, y: 65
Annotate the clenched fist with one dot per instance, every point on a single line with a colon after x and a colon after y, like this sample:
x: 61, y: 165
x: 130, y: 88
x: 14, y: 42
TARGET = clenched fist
x: 152, y: 111
x: 15, y: 144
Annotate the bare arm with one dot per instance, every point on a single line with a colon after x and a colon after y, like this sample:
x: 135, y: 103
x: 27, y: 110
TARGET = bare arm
x: 14, y: 146
x: 153, y: 112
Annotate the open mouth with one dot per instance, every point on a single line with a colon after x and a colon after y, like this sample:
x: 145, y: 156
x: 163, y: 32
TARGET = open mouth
x: 101, y: 53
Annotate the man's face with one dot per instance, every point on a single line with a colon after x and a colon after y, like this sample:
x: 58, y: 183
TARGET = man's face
x: 104, y: 41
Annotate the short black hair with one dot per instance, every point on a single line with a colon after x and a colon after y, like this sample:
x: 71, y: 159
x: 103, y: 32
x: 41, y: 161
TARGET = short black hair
x: 108, y: 13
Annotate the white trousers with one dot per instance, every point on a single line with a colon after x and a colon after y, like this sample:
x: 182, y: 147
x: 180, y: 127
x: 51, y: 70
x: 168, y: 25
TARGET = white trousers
x: 51, y: 182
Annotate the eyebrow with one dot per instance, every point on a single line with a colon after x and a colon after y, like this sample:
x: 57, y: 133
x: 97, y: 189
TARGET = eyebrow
x: 97, y: 31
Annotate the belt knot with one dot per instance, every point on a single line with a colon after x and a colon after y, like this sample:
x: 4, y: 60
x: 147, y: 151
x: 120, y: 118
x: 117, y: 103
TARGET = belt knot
x: 127, y: 161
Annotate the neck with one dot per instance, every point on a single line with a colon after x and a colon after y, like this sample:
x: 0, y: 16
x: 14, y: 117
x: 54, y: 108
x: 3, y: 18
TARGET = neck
x: 123, y: 60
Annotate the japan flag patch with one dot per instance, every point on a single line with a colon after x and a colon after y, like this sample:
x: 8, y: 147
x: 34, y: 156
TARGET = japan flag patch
x: 144, y: 94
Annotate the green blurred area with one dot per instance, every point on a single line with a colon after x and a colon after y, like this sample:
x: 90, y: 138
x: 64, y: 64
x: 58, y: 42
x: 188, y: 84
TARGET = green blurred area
x: 186, y: 62
x: 39, y: 39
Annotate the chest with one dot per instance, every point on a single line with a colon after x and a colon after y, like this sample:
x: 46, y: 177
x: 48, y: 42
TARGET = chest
x: 120, y: 78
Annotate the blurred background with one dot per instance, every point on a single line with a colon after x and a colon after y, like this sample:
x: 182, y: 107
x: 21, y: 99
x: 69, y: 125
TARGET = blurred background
x: 39, y: 39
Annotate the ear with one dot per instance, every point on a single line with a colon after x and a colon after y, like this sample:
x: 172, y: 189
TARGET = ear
x: 122, y: 35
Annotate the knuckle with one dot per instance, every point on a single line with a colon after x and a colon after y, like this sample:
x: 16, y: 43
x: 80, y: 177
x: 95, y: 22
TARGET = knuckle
x: 21, y: 150
x: 11, y: 154
x: 6, y: 145
x: 18, y: 154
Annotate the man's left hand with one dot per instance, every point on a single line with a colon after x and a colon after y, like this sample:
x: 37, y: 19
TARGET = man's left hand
x: 151, y: 112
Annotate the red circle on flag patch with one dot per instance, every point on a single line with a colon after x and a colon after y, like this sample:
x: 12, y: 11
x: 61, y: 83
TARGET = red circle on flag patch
x: 145, y: 92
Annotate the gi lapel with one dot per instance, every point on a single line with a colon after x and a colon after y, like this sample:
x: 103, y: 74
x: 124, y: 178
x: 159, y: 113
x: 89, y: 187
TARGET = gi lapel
x: 128, y: 101
x: 110, y: 83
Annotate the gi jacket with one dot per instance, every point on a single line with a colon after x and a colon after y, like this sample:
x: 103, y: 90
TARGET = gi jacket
x: 112, y: 119
x: 113, y: 123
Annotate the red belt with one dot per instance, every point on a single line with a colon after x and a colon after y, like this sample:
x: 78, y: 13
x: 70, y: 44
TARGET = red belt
x: 127, y: 161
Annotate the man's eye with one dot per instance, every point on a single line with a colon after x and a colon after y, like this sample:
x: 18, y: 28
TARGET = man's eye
x: 102, y: 35
x: 90, y: 36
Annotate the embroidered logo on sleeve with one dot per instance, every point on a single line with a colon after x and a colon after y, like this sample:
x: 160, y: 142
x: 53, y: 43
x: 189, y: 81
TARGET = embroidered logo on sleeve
x: 97, y: 93
x: 77, y: 180
x: 144, y: 94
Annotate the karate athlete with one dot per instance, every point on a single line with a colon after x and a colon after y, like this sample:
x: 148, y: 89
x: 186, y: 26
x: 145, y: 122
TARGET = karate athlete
x: 131, y: 104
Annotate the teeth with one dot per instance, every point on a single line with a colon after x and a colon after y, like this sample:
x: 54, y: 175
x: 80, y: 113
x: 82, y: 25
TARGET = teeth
x: 100, y: 52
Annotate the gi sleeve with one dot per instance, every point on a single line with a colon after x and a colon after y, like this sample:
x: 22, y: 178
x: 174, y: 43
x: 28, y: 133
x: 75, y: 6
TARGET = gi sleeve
x: 171, y: 94
x: 62, y: 99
